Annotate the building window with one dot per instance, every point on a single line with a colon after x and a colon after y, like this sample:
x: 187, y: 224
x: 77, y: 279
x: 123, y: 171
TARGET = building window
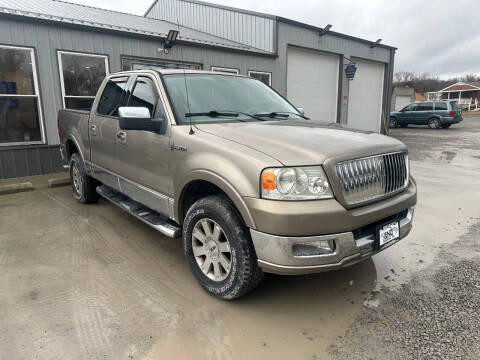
x: 80, y: 78
x: 20, y: 110
x: 152, y: 64
x: 263, y: 76
x: 225, y: 70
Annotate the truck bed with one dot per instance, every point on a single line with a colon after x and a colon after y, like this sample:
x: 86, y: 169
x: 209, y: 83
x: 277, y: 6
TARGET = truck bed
x: 73, y: 126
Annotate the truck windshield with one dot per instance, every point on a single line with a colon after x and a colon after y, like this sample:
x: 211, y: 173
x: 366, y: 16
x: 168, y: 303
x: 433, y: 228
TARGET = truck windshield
x: 213, y: 98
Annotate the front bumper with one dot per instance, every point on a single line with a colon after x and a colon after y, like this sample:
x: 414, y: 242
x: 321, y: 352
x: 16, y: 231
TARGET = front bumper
x: 275, y: 253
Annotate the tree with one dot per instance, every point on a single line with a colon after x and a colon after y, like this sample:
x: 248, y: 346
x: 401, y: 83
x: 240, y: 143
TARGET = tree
x: 425, y: 82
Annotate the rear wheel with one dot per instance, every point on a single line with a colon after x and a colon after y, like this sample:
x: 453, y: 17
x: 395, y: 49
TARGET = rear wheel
x: 446, y: 126
x: 219, y: 250
x: 83, y: 186
x: 434, y: 123
x: 393, y: 123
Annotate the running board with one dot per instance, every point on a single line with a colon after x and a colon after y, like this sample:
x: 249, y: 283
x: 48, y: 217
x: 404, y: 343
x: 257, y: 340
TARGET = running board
x: 148, y: 216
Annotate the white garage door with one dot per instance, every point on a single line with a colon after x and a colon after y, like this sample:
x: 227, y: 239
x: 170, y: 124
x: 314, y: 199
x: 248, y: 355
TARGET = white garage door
x: 366, y: 96
x: 401, y: 101
x: 312, y: 83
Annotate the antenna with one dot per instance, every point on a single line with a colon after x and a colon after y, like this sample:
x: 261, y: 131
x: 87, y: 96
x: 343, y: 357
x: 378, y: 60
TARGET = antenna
x: 191, y: 132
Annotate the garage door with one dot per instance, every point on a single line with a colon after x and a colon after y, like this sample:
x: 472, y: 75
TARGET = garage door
x: 366, y: 96
x: 401, y: 101
x: 312, y: 83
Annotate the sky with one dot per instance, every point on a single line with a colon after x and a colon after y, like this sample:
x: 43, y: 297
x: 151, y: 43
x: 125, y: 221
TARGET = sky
x: 442, y: 38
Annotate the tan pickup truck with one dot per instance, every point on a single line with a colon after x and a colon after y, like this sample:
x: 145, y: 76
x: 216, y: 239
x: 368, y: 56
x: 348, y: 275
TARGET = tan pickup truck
x: 245, y: 178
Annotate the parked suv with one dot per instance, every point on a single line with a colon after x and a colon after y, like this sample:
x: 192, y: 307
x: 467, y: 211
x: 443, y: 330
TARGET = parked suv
x: 248, y: 182
x: 435, y: 114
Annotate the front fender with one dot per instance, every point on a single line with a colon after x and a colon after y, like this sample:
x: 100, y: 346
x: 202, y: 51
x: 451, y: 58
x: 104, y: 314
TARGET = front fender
x: 222, y: 183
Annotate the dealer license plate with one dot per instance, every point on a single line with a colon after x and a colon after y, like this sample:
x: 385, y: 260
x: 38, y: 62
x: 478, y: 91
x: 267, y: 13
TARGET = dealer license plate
x: 389, y: 233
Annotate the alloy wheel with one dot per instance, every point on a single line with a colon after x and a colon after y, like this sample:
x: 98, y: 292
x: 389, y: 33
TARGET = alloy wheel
x: 77, y: 179
x: 211, y: 249
x: 434, y: 124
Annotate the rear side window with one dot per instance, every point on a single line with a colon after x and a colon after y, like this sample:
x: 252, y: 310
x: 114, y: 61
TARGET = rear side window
x: 425, y: 106
x: 111, y: 97
x: 454, y: 104
x: 143, y: 95
x: 441, y: 106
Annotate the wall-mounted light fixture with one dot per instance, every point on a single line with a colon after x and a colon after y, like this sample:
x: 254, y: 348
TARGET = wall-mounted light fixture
x: 375, y: 43
x: 325, y: 30
x: 170, y: 40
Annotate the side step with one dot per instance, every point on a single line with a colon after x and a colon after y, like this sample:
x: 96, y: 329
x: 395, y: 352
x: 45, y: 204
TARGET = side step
x: 148, y: 216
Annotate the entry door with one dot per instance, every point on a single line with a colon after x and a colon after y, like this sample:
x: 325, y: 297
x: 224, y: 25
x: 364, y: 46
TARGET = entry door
x: 103, y: 129
x: 312, y: 83
x: 365, y: 98
x: 407, y: 115
x: 144, y: 156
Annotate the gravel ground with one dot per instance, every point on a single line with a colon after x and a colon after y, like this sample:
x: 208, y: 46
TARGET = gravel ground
x: 434, y: 316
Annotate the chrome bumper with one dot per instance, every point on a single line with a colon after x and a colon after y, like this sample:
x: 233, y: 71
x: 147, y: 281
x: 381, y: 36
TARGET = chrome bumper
x: 275, y: 253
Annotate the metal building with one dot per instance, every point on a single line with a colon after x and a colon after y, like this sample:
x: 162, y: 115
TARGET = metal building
x: 54, y: 54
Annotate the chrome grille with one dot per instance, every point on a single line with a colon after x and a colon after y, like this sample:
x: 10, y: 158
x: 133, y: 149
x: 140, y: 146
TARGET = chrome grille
x: 373, y: 177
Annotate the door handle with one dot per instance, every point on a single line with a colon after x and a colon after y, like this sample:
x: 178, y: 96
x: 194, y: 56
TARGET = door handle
x: 122, y: 135
x: 93, y: 129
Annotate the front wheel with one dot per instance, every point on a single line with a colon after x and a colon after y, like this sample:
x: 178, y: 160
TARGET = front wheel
x: 219, y: 250
x: 393, y: 123
x: 434, y: 123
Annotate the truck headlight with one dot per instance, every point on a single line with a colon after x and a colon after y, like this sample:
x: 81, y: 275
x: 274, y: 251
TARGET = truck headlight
x: 295, y: 183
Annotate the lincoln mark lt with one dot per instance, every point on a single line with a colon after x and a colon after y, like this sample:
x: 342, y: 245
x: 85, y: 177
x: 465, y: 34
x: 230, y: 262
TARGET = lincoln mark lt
x: 246, y: 180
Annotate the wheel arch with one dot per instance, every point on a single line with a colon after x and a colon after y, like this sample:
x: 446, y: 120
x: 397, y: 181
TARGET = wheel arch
x: 72, y: 146
x: 204, y: 183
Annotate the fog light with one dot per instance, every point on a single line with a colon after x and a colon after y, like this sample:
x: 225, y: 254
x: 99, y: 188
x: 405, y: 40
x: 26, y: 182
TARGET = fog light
x: 319, y: 247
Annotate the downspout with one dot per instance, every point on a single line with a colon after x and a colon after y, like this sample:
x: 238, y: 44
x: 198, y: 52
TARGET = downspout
x: 386, y: 109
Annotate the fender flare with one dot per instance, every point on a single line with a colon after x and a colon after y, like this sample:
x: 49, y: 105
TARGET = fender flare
x: 72, y: 138
x: 221, y: 183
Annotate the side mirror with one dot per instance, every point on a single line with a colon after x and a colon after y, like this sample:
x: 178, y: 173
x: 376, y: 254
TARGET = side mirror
x: 138, y: 118
x: 301, y: 110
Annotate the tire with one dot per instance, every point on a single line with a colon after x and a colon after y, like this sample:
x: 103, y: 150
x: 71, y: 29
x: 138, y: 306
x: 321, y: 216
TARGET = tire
x: 393, y: 123
x: 83, y: 186
x: 446, y: 126
x: 232, y: 246
x: 434, y: 123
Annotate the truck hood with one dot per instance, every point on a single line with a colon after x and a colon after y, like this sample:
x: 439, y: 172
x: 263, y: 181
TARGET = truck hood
x: 303, y: 142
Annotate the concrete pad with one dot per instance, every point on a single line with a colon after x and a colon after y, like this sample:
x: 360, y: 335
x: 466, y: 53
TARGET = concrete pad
x: 15, y: 188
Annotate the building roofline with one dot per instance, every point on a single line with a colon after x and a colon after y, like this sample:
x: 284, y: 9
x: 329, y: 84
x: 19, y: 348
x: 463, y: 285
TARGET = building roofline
x: 334, y: 33
x: 218, y: 6
x: 457, y: 84
x: 216, y: 42
x: 278, y: 18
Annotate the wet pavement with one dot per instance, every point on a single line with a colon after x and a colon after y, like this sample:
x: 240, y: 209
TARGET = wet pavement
x: 91, y: 282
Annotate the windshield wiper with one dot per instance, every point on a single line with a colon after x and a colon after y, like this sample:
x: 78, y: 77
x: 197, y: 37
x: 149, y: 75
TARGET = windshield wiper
x: 283, y: 114
x: 215, y: 113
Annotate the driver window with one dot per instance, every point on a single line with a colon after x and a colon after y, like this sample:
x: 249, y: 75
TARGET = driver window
x: 144, y: 95
x: 410, y: 107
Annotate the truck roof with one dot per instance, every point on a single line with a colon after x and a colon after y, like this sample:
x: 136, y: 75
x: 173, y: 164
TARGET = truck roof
x: 173, y: 71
